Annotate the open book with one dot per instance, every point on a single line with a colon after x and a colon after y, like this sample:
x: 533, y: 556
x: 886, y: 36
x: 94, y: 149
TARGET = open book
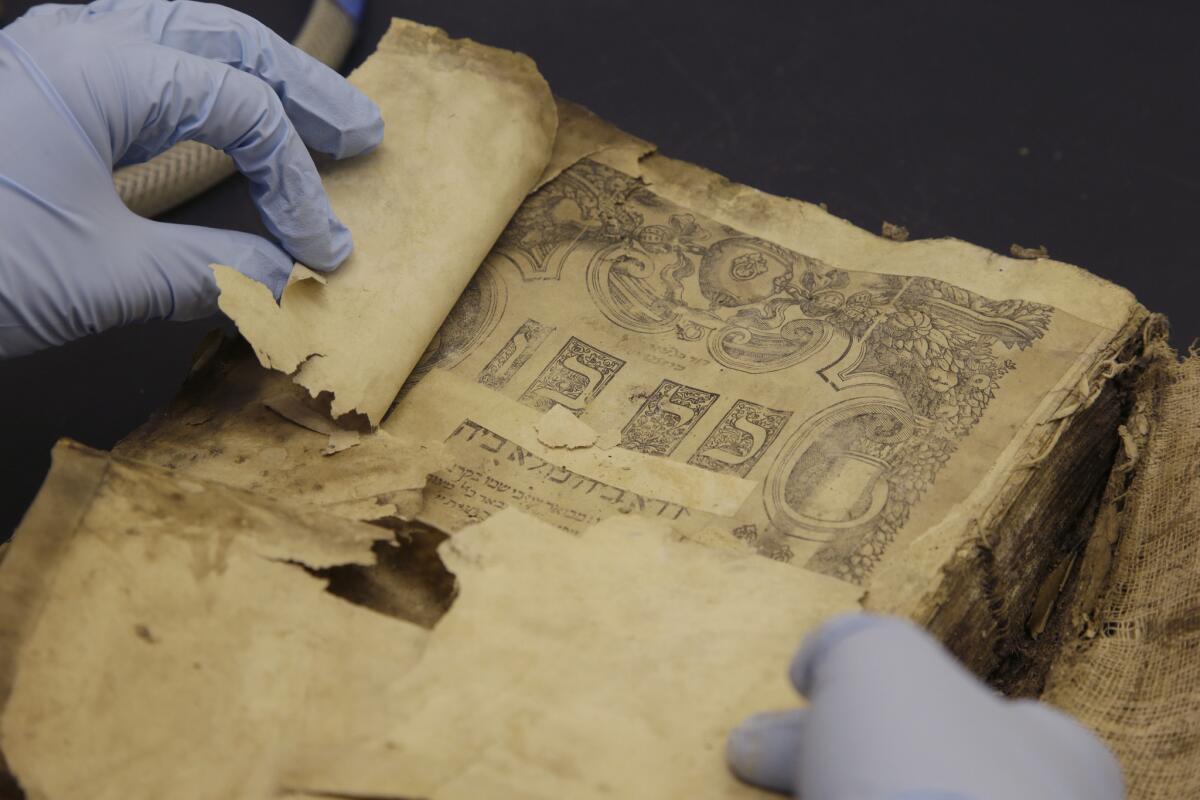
x: 647, y: 407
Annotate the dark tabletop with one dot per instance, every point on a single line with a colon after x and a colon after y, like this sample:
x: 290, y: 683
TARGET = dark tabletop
x: 1074, y: 125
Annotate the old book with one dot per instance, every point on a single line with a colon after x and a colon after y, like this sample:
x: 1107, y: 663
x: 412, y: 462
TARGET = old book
x: 925, y: 425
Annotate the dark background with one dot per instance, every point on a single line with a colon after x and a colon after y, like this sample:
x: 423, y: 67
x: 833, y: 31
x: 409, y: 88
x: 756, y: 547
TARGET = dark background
x: 1071, y: 125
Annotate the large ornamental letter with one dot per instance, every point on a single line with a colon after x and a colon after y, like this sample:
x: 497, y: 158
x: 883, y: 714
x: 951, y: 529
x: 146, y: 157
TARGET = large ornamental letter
x: 832, y: 473
x: 573, y: 378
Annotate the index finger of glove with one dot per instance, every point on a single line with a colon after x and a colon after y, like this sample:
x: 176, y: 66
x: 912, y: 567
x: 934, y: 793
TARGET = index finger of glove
x: 328, y: 112
x: 175, y: 96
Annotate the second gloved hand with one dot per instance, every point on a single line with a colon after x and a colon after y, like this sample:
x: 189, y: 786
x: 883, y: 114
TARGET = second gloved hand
x: 88, y: 88
x: 892, y: 716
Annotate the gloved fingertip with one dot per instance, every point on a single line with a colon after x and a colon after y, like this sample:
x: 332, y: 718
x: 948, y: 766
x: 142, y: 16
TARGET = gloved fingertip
x: 341, y: 243
x: 333, y: 248
x: 818, y: 644
x: 363, y: 134
x: 763, y: 750
x: 268, y: 265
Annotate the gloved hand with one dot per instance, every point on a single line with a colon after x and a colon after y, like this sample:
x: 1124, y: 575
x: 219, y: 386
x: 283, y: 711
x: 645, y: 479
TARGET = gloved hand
x: 87, y: 88
x: 892, y: 716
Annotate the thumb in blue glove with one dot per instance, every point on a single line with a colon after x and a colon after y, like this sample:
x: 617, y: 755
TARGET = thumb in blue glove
x: 892, y: 716
x: 116, y: 82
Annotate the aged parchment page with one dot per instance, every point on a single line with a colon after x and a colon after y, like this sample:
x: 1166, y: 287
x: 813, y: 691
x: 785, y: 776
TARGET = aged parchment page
x: 469, y: 132
x: 889, y: 405
x: 865, y: 387
x: 161, y: 637
x: 759, y: 374
x: 607, y: 664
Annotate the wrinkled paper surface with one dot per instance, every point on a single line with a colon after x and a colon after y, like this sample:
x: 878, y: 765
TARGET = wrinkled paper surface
x: 609, y: 664
x: 163, y: 639
x: 469, y: 132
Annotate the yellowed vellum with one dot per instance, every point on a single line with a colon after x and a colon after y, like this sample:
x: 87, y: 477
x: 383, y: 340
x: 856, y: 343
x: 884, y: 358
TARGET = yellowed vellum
x: 865, y: 391
x: 610, y: 664
x: 495, y: 458
x: 161, y: 638
x: 469, y: 132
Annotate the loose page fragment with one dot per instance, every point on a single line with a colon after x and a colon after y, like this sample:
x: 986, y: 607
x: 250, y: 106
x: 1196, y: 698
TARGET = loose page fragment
x: 469, y: 132
x: 610, y: 664
x: 560, y: 428
x: 497, y: 457
x: 160, y: 637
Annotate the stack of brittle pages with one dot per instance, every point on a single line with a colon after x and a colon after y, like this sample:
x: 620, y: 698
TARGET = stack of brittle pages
x: 536, y: 494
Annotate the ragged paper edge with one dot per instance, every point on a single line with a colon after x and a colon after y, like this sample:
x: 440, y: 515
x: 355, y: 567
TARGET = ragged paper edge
x: 774, y: 217
x: 80, y: 472
x: 29, y: 580
x: 580, y: 134
x: 76, y: 474
x: 558, y: 428
x: 41, y: 539
x: 404, y: 500
x: 274, y: 336
x: 292, y: 407
x: 651, y: 476
x: 266, y: 435
x: 273, y: 341
x: 27, y: 569
x: 477, y: 555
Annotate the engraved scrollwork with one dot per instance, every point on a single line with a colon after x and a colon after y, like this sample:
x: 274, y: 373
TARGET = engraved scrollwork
x: 939, y: 348
x: 585, y: 205
x: 921, y: 358
x: 742, y: 348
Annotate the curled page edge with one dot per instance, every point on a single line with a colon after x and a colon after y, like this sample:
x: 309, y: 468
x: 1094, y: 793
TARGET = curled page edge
x: 426, y: 206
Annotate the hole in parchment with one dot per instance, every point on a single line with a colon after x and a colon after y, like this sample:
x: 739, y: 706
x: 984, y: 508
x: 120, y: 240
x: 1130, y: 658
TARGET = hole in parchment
x: 407, y: 581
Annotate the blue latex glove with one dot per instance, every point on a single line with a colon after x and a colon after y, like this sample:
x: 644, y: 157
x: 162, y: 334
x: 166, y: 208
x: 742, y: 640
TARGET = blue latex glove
x: 892, y: 716
x: 87, y: 88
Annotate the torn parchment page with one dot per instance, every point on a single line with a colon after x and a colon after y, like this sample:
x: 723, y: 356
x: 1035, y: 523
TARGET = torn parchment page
x: 892, y: 405
x: 608, y: 664
x: 469, y: 132
x: 161, y: 637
